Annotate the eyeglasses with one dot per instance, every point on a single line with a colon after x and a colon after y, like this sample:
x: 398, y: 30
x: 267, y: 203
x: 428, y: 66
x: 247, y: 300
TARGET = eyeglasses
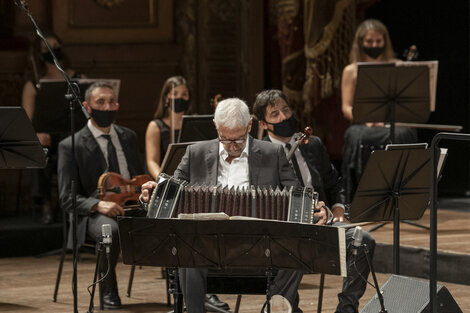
x: 236, y: 141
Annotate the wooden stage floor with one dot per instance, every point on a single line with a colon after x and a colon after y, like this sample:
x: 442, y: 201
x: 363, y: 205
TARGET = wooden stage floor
x: 27, y: 283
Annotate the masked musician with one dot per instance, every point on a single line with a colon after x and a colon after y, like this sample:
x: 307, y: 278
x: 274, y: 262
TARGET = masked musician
x: 44, y: 68
x: 234, y: 159
x: 164, y: 129
x: 100, y: 146
x: 371, y: 44
x: 312, y: 165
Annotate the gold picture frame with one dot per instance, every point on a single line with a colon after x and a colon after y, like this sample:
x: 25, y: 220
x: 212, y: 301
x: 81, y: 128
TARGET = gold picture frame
x: 129, y: 21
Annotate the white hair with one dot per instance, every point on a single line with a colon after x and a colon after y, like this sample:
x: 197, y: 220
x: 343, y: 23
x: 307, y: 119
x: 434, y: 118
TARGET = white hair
x: 232, y: 113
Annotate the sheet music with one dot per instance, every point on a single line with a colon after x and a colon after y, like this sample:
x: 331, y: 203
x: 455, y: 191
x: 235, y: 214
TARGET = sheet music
x: 440, y: 163
x: 432, y: 65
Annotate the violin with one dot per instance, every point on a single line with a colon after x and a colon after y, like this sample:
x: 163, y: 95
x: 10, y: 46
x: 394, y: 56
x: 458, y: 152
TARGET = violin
x: 302, y: 139
x: 125, y: 192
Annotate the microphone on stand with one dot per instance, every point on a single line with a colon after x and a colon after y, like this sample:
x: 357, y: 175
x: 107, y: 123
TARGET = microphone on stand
x: 107, y: 237
x: 357, y: 243
x: 357, y: 236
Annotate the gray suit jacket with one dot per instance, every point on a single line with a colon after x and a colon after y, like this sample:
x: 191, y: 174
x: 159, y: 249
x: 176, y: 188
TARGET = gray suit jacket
x: 267, y: 163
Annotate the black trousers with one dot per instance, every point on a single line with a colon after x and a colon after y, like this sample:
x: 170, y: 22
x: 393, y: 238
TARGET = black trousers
x: 193, y: 283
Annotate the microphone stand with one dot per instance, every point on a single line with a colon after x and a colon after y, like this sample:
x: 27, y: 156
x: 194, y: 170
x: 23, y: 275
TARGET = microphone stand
x: 379, y: 293
x: 73, y: 95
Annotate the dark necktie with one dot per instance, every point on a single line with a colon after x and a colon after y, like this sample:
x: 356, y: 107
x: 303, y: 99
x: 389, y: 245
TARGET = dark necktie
x: 293, y: 162
x: 113, y: 164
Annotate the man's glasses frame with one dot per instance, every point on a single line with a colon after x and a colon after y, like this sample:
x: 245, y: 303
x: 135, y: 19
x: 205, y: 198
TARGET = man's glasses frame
x: 236, y: 141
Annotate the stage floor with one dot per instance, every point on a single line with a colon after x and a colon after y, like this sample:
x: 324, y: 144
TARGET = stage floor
x: 27, y: 283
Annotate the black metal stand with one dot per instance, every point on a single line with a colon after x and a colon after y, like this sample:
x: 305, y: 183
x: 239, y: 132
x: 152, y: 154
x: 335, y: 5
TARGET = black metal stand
x: 376, y: 284
x: 393, y: 187
x: 435, y: 152
x: 95, y: 280
x: 74, y: 98
x: 228, y: 244
x: 174, y: 289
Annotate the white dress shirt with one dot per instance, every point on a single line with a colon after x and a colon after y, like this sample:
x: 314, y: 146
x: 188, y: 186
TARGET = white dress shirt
x: 235, y: 173
x: 103, y: 144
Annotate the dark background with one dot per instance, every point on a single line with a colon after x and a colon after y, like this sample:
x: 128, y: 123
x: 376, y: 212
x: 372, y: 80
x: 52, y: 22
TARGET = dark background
x: 440, y: 31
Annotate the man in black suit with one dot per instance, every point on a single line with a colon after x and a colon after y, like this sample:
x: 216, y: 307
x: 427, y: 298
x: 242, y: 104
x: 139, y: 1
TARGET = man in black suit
x: 234, y: 159
x: 313, y: 168
x: 100, y: 146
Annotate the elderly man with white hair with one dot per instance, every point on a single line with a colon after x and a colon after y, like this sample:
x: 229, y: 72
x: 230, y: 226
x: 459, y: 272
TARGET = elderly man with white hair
x: 234, y: 159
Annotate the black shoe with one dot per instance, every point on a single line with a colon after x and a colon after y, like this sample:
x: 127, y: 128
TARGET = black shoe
x: 111, y: 301
x: 214, y: 300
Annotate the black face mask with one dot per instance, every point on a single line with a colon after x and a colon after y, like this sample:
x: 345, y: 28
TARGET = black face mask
x: 181, y: 105
x: 103, y: 118
x: 47, y: 56
x: 286, y: 128
x: 373, y: 52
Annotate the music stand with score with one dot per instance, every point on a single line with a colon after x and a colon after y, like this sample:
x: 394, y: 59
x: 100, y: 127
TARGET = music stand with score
x: 173, y: 157
x: 19, y: 145
x: 390, y: 92
x: 232, y: 244
x: 197, y: 128
x: 394, y: 186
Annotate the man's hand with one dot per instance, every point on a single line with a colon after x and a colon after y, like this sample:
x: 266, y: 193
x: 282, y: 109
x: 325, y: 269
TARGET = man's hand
x: 146, y: 188
x: 109, y: 208
x: 321, y: 214
x: 338, y: 214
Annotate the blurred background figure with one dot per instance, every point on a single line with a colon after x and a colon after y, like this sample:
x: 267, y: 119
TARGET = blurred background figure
x: 43, y: 67
x: 371, y: 44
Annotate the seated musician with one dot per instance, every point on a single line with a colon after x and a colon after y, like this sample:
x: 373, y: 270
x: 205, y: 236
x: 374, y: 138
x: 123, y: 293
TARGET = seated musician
x: 314, y: 169
x: 371, y: 44
x: 100, y: 146
x: 234, y: 159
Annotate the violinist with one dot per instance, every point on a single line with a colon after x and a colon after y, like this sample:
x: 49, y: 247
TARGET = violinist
x: 100, y: 146
x: 313, y: 168
x: 164, y: 129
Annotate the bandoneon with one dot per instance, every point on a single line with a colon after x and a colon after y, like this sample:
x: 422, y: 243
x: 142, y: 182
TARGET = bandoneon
x: 173, y: 196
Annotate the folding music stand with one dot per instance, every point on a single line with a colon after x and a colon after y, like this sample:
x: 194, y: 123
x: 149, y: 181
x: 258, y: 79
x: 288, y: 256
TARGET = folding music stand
x: 173, y: 157
x: 19, y: 145
x: 197, y: 128
x: 387, y: 92
x: 226, y: 244
x: 394, y: 187
x: 52, y: 111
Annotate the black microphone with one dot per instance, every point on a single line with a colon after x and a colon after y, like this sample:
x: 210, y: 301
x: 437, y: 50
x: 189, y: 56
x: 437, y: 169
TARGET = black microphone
x: 357, y: 236
x: 107, y: 237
